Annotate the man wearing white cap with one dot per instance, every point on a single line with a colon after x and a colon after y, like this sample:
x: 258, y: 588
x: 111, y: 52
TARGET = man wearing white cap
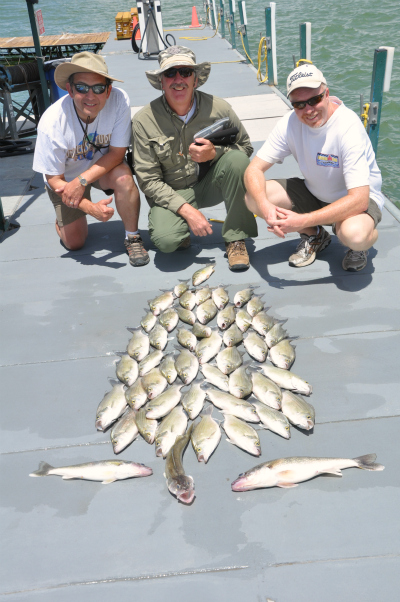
x: 342, y: 182
x: 82, y: 140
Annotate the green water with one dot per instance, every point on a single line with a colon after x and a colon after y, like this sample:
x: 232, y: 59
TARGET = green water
x: 344, y: 36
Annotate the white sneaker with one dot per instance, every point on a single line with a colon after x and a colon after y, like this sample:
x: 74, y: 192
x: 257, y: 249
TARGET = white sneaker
x: 308, y: 248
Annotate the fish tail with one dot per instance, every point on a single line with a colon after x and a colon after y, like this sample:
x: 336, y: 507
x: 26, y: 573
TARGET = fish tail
x: 367, y: 462
x: 43, y: 470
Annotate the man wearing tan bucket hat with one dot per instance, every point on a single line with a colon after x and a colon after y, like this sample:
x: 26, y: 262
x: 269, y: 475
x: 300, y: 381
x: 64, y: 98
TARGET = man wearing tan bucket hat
x: 82, y: 140
x: 167, y: 160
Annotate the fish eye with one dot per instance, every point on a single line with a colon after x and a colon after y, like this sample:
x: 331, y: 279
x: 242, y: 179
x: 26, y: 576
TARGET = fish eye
x: 287, y: 428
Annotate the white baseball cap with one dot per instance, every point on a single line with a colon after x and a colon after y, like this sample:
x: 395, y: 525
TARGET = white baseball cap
x: 305, y: 76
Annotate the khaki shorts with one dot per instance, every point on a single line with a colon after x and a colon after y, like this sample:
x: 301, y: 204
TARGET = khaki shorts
x: 66, y: 215
x: 303, y: 201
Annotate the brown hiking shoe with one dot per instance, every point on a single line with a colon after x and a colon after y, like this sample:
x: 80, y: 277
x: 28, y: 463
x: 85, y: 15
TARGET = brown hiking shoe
x: 185, y: 244
x: 237, y: 255
x: 137, y: 253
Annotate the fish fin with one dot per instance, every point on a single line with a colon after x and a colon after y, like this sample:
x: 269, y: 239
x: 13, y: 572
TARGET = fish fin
x: 68, y: 478
x: 107, y: 481
x: 286, y: 476
x: 285, y: 485
x: 335, y: 471
x: 114, y: 381
x: 208, y: 411
x: 229, y: 441
x: 367, y: 462
x: 135, y: 329
x: 120, y: 353
x: 42, y: 471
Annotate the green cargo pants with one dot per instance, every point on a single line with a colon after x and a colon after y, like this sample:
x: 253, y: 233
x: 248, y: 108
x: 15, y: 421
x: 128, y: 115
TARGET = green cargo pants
x: 223, y: 183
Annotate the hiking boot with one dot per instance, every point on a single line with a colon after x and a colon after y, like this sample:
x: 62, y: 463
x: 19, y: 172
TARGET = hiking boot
x: 185, y: 244
x: 137, y: 253
x: 308, y: 248
x: 237, y: 255
x: 354, y: 261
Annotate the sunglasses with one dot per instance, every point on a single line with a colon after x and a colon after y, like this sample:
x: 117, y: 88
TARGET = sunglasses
x: 84, y: 88
x: 183, y: 72
x: 300, y: 104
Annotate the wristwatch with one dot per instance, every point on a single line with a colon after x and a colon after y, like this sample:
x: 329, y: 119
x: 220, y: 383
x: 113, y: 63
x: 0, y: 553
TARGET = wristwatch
x: 82, y: 181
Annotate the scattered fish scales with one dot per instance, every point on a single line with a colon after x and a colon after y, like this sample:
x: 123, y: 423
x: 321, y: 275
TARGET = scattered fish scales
x: 169, y: 319
x: 208, y: 348
x: 161, y: 405
x: 153, y: 383
x: 124, y: 432
x: 243, y: 296
x: 240, y: 384
x: 288, y: 472
x: 147, y: 427
x: 136, y: 396
x: 206, y: 311
x: 276, y: 334
x: 148, y: 322
x: 287, y: 379
x: 203, y: 274
x: 127, y: 369
x: 220, y: 296
x: 158, y: 337
x: 298, y: 410
x: 200, y: 331
x: 188, y: 300
x: 186, y: 339
x: 266, y: 391
x: 254, y: 306
x: 242, y: 435
x: 214, y: 376
x: 226, y: 317
x: 232, y: 336
x: 178, y: 483
x: 232, y: 405
x: 181, y: 288
x: 106, y: 471
x: 187, y: 366
x: 229, y: 359
x: 149, y: 362
x: 272, y: 419
x: 202, y: 294
x: 167, y: 368
x: 162, y: 302
x: 206, y: 436
x: 256, y: 346
x: 193, y: 400
x: 185, y: 315
x: 263, y: 322
x: 139, y: 345
x: 168, y: 430
x: 243, y: 320
x: 282, y: 354
x: 111, y: 407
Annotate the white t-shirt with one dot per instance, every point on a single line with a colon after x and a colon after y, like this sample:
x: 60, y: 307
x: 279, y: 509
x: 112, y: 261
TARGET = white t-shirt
x: 59, y: 145
x: 333, y: 158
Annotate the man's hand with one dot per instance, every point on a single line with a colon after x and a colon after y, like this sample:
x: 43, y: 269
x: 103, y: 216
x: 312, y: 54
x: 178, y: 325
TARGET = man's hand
x: 288, y: 221
x: 198, y: 224
x: 205, y: 152
x: 272, y: 216
x: 100, y: 210
x: 71, y: 193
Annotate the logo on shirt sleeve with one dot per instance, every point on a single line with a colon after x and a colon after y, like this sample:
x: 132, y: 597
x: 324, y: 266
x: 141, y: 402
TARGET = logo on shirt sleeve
x: 327, y: 160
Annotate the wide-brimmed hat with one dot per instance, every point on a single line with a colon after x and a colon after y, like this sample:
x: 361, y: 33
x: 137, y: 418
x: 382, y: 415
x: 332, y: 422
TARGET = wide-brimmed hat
x: 83, y: 62
x: 305, y: 76
x: 175, y: 56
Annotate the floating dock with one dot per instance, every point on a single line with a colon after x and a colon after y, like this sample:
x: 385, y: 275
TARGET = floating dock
x: 65, y: 313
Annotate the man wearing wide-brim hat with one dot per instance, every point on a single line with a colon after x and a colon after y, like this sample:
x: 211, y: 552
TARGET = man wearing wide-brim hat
x: 82, y: 140
x: 167, y: 160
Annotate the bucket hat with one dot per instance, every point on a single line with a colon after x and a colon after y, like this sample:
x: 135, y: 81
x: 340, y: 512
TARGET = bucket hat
x: 174, y: 56
x: 83, y: 62
x: 305, y: 76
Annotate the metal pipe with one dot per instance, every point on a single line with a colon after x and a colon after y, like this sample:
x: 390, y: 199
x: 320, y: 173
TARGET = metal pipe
x: 39, y: 57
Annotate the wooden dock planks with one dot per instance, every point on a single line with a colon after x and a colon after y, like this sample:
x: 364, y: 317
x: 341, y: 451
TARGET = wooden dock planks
x: 64, y: 39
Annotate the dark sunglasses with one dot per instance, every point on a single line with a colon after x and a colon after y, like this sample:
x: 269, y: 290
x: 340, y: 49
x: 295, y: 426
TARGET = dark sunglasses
x: 300, y: 104
x: 84, y: 88
x: 183, y: 72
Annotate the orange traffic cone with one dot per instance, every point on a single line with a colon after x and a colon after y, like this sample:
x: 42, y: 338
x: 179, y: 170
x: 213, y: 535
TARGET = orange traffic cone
x: 195, y: 21
x: 134, y: 23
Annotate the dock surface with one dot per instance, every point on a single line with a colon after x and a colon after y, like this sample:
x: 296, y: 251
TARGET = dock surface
x: 65, y: 313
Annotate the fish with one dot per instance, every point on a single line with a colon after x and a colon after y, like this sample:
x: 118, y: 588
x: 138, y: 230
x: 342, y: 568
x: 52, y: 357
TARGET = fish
x: 254, y: 306
x: 288, y: 472
x: 193, y: 400
x: 232, y: 405
x: 148, y: 322
x: 161, y: 405
x: 274, y: 421
x: 206, y: 436
x: 188, y: 300
x: 208, y: 348
x: 187, y: 366
x: 203, y: 274
x: 229, y: 359
x: 282, y: 354
x: 168, y: 430
x: 202, y: 294
x: 181, y: 288
x: 265, y: 390
x: 226, y: 317
x: 158, y: 337
x: 185, y: 315
x: 167, y: 368
x: 127, y: 369
x: 178, y: 483
x: 147, y: 426
x: 298, y: 411
x: 206, y: 311
x: 243, y: 320
x: 242, y: 434
x: 276, y: 334
x: 214, y: 376
x: 162, y: 302
x: 240, y: 384
x: 220, y: 296
x: 256, y: 346
x: 124, y: 431
x: 112, y: 406
x: 232, y: 336
x: 136, y: 396
x: 200, y: 331
x: 149, y: 362
x: 263, y: 322
x: 153, y: 383
x: 106, y: 471
x: 186, y: 339
x: 243, y: 296
x: 287, y: 379
x: 139, y: 345
x: 169, y: 319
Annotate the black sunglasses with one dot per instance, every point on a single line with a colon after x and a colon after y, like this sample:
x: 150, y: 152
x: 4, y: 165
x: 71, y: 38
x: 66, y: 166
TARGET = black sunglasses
x: 183, y: 72
x: 300, y: 104
x: 84, y: 88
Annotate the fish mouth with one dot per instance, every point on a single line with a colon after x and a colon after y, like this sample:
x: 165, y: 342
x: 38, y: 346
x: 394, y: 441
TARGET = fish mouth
x: 201, y: 458
x: 310, y: 425
x: 145, y: 471
x: 239, y: 485
x: 186, y: 496
x: 98, y: 425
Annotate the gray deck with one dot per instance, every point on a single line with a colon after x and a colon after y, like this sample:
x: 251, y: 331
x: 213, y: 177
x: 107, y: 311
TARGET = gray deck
x: 63, y: 314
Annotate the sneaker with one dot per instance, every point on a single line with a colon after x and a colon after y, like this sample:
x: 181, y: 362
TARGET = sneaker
x: 308, y: 248
x: 354, y: 261
x: 137, y: 253
x: 185, y: 244
x: 237, y: 255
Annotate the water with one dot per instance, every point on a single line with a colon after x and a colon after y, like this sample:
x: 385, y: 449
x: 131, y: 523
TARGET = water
x: 344, y: 36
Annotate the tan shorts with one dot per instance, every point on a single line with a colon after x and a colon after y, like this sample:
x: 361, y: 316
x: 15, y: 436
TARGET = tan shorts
x: 66, y: 215
x: 303, y: 201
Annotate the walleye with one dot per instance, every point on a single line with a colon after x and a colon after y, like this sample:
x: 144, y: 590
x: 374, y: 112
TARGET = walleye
x: 188, y: 300
x: 254, y: 306
x: 178, y: 483
x: 240, y: 384
x: 187, y: 366
x: 186, y: 339
x: 243, y: 320
x: 243, y: 296
x: 181, y: 288
x: 232, y: 336
x: 139, y: 345
x: 169, y: 319
x: 127, y: 369
x: 193, y: 400
x: 167, y: 368
x: 206, y: 311
x: 220, y: 297
x: 158, y: 337
x: 162, y: 302
x: 186, y: 315
x: 206, y: 436
x: 124, y: 431
x: 161, y: 405
x: 232, y: 405
x: 276, y: 334
x: 168, y: 430
x: 283, y: 354
x: 300, y: 412
x: 203, y: 274
x: 214, y: 376
x: 265, y: 390
x: 288, y: 472
x: 229, y: 359
x: 262, y: 323
x: 286, y: 379
x: 200, y: 331
x: 111, y: 407
x: 153, y: 383
x: 208, y: 348
x: 147, y: 426
x: 274, y: 421
x: 255, y: 346
x: 148, y: 322
x: 136, y: 396
x: 106, y: 471
x: 150, y: 362
x: 202, y: 294
x: 226, y: 317
x: 241, y: 434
